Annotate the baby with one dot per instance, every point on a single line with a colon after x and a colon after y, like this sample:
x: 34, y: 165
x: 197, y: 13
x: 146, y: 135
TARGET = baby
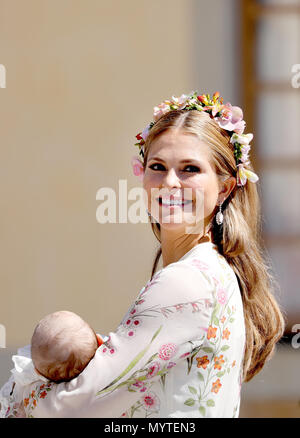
x: 62, y: 345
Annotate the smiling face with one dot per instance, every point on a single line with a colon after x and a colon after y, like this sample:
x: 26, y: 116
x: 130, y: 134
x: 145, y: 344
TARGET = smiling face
x: 179, y: 164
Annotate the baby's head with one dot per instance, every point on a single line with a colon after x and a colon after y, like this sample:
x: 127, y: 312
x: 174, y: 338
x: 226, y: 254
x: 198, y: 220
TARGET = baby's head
x: 62, y: 345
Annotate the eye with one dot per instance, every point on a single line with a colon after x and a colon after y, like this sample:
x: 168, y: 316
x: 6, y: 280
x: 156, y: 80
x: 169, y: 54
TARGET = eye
x: 155, y: 164
x: 194, y: 168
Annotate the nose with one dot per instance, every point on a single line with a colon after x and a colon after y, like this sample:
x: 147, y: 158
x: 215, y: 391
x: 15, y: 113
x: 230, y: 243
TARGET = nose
x: 171, y: 180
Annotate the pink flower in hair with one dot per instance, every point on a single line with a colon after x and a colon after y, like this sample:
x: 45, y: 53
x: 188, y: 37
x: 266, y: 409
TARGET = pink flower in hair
x: 145, y: 133
x: 179, y: 102
x: 160, y: 110
x: 231, y: 119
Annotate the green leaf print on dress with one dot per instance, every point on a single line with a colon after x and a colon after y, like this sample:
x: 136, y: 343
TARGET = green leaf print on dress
x: 214, y: 364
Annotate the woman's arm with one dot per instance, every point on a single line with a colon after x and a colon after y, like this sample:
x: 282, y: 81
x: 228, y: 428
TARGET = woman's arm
x: 168, y: 318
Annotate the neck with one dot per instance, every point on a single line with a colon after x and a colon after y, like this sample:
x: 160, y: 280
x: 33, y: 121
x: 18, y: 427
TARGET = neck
x: 174, y: 246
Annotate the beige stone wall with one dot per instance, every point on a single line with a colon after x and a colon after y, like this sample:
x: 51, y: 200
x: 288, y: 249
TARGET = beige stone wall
x: 82, y: 77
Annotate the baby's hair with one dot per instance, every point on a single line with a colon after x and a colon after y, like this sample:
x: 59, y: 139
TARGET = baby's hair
x: 62, y: 345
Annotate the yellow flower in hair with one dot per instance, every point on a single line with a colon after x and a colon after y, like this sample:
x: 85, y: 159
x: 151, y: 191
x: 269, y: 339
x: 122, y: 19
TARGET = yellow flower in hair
x: 244, y: 174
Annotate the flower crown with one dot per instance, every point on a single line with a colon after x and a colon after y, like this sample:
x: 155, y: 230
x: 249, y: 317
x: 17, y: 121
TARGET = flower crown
x: 227, y: 116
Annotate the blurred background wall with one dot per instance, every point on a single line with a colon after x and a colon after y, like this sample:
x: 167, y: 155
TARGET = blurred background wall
x: 82, y: 77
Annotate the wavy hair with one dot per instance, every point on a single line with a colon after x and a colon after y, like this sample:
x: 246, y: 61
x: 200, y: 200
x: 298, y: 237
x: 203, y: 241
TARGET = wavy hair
x: 239, y: 239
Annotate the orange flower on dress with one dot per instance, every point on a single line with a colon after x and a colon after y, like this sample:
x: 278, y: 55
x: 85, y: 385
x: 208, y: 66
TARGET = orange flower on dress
x: 233, y: 363
x: 26, y: 402
x: 34, y: 402
x: 211, y: 332
x: 42, y: 386
x: 43, y: 394
x: 223, y: 319
x: 32, y: 394
x: 218, y: 362
x: 216, y: 386
x: 202, y: 362
x: 226, y: 334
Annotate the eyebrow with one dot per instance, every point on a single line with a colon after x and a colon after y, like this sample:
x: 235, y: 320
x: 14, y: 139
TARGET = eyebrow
x: 188, y: 160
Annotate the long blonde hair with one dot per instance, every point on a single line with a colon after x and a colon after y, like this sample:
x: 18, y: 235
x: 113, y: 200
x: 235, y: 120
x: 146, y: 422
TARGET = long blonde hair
x: 239, y: 239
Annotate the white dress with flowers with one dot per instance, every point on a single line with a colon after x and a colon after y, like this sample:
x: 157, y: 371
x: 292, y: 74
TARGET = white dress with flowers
x: 177, y: 353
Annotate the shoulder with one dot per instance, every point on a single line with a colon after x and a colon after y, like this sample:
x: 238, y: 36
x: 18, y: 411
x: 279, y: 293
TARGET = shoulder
x: 181, y: 279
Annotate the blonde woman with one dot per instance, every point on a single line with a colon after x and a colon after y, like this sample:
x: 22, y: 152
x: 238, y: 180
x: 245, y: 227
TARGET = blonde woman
x: 207, y: 321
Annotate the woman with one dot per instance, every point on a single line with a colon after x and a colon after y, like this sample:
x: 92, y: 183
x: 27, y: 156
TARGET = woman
x: 207, y: 321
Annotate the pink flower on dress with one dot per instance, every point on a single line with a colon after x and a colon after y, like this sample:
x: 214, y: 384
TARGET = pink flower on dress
x: 179, y: 307
x: 150, y: 401
x: 130, y: 333
x: 184, y: 355
x: 171, y: 365
x: 153, y: 370
x: 138, y: 384
x: 222, y: 296
x: 167, y: 351
x: 150, y: 283
x: 195, y: 307
x: 200, y: 265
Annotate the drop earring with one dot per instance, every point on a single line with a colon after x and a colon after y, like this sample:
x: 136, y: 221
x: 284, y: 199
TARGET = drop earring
x: 219, y: 216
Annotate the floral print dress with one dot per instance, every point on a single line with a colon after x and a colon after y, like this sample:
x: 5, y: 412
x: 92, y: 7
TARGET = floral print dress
x: 177, y: 353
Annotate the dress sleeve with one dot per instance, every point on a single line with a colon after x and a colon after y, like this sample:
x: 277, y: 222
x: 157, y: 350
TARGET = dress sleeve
x: 168, y: 319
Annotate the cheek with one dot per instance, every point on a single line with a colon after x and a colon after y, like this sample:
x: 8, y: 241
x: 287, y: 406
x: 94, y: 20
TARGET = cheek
x: 148, y: 184
x: 208, y: 190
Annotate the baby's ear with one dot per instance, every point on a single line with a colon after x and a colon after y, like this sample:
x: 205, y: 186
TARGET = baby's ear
x: 99, y: 340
